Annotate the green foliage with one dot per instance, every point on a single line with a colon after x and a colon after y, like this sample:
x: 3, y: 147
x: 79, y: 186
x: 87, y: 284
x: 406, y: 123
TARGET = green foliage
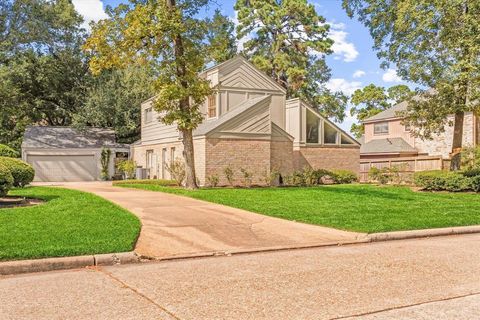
x: 213, y: 180
x: 221, y: 38
x: 475, y: 183
x: 177, y: 170
x: 156, y: 182
x: 247, y: 177
x: 105, y: 162
x: 228, y: 172
x: 344, y: 176
x: 382, y: 175
x: 471, y: 172
x: 372, y: 100
x: 6, y: 151
x: 6, y: 180
x: 21, y: 171
x: 435, y: 44
x: 288, y: 40
x: 127, y: 168
x: 470, y: 158
x: 438, y: 180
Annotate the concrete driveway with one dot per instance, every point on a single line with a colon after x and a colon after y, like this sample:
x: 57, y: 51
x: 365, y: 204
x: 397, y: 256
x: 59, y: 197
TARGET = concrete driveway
x: 175, y: 225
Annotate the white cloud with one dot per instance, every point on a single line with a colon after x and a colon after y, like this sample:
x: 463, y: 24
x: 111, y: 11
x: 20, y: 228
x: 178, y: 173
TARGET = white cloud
x: 91, y: 10
x: 342, y: 49
x: 391, y: 76
x: 358, y: 74
x: 340, y: 84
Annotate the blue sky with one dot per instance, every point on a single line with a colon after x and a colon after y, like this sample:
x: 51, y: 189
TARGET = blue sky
x: 354, y: 64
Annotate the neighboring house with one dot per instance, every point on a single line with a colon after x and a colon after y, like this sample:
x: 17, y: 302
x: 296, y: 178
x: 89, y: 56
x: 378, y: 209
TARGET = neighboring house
x: 248, y: 125
x: 387, y: 140
x: 66, y: 154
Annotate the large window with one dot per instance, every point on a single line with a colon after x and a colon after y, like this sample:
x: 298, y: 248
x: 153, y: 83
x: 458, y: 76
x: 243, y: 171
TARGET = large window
x: 212, y: 106
x: 380, y: 128
x: 329, y: 134
x: 148, y: 115
x: 313, y: 123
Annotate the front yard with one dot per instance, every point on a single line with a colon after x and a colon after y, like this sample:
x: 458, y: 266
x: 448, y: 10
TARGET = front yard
x: 69, y: 223
x: 363, y: 208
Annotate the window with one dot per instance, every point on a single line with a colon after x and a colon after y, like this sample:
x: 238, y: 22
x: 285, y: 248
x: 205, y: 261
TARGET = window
x: 148, y: 115
x: 172, y: 154
x: 212, y: 106
x: 313, y: 123
x: 380, y: 128
x: 407, y: 127
x: 329, y: 134
x: 164, y: 162
x: 345, y: 140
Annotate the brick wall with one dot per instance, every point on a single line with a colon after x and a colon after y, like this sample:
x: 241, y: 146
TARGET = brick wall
x: 252, y: 155
x: 330, y: 158
x: 281, y: 156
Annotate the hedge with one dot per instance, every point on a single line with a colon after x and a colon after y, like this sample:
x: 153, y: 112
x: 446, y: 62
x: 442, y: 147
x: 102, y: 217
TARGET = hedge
x: 447, y: 181
x: 6, y: 180
x: 6, y: 151
x: 344, y: 176
x: 21, y: 171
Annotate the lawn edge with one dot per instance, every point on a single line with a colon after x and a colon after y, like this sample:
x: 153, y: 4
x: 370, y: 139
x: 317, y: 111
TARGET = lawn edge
x: 65, y: 263
x: 422, y: 233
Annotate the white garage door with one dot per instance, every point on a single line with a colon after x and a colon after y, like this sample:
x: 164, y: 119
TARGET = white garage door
x: 56, y: 168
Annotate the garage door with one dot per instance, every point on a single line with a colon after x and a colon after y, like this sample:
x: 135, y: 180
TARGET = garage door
x: 54, y: 168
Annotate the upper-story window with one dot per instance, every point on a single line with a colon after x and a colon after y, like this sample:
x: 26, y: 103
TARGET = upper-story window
x: 407, y: 127
x: 380, y: 128
x: 148, y: 115
x: 212, y: 106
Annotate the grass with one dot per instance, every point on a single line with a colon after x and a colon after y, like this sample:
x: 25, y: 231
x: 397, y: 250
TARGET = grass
x: 363, y: 208
x: 69, y: 223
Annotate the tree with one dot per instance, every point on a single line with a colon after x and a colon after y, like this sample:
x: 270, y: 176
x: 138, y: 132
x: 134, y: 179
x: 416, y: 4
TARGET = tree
x: 436, y: 44
x: 288, y: 40
x: 372, y: 100
x: 172, y: 37
x: 113, y: 99
x: 221, y: 38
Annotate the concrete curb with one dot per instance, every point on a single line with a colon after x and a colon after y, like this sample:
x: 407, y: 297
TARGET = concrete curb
x: 63, y: 263
x: 413, y: 234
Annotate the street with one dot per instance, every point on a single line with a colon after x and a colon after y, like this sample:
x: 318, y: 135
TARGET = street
x: 435, y: 278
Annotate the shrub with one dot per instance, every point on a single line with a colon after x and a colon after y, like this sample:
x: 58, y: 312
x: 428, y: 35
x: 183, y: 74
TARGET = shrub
x: 156, y: 182
x: 247, y: 177
x: 21, y: 171
x: 6, y: 151
x: 105, y: 161
x: 213, y: 180
x: 438, y: 180
x: 344, y: 176
x: 6, y: 180
x: 471, y: 172
x: 382, y: 175
x: 475, y: 183
x: 470, y: 158
x: 177, y: 170
x: 228, y: 171
x: 127, y: 168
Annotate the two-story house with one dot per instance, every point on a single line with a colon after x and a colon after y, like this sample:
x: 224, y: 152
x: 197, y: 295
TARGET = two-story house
x: 248, y: 125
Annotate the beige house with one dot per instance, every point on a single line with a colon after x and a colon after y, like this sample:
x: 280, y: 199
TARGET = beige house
x: 389, y: 142
x: 248, y: 125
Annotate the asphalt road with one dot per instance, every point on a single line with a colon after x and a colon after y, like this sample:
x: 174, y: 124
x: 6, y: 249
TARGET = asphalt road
x: 436, y: 278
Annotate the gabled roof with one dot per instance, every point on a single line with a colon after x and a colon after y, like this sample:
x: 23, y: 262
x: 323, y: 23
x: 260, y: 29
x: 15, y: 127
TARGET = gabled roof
x: 212, y: 124
x: 390, y: 113
x: 387, y: 145
x: 69, y: 138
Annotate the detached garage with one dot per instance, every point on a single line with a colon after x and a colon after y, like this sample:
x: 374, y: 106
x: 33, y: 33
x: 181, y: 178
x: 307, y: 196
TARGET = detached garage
x: 61, y: 154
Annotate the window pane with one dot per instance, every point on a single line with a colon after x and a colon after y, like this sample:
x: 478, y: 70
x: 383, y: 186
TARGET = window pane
x: 312, y: 127
x: 212, y: 106
x: 329, y: 134
x: 381, y: 127
x: 345, y: 140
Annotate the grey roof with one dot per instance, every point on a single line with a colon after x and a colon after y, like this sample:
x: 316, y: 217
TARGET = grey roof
x: 211, y: 124
x: 69, y: 138
x: 389, y: 113
x: 388, y: 145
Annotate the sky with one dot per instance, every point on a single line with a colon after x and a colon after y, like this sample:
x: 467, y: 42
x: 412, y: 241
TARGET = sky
x: 354, y: 64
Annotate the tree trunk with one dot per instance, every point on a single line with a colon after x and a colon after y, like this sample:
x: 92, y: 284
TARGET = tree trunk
x: 457, y: 141
x: 189, y: 156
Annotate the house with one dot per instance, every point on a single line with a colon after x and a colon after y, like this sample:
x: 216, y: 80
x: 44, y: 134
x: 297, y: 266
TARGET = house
x: 66, y: 154
x: 249, y: 124
x: 387, y: 141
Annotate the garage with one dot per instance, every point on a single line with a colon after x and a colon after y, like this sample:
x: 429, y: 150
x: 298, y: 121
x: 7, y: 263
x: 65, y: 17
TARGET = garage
x: 64, y: 154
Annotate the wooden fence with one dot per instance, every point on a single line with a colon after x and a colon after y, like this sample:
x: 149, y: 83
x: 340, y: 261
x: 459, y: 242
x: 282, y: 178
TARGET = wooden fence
x: 406, y: 166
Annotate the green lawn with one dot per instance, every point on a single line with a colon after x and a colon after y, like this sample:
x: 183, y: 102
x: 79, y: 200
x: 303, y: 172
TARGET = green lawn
x: 364, y: 208
x: 69, y: 223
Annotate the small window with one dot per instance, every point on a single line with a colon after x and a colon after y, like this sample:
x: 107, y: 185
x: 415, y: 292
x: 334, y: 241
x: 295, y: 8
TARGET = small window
x: 172, y: 155
x: 148, y: 115
x: 407, y: 127
x: 212, y: 106
x: 380, y: 128
x: 329, y: 134
x: 345, y: 140
x: 313, y: 124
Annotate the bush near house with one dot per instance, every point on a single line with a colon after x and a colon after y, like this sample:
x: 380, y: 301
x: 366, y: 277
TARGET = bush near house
x: 344, y: 176
x: 6, y: 151
x: 6, y: 180
x: 21, y: 171
x: 447, y: 181
x: 314, y: 177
